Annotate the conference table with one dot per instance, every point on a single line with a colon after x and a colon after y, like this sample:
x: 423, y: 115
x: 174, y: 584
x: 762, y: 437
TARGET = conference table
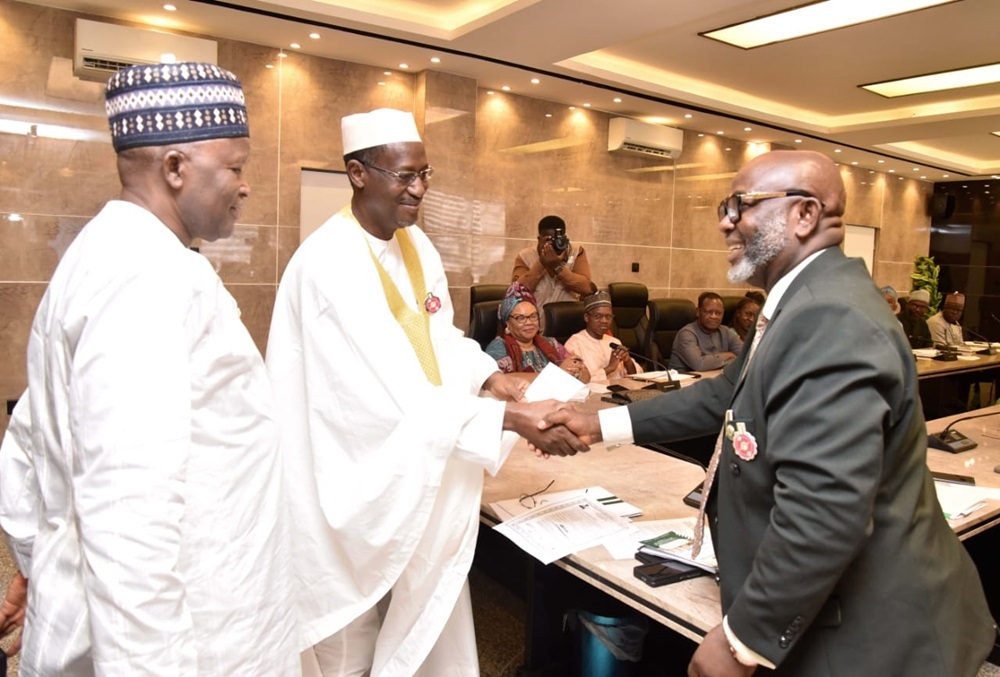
x: 656, y: 483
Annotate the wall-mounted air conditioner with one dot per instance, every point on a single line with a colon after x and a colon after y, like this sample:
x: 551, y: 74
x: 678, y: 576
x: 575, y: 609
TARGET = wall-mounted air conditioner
x: 632, y: 136
x: 102, y: 49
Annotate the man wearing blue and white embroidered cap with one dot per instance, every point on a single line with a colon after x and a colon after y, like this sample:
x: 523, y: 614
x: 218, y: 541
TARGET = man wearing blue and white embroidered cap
x: 384, y: 438
x: 152, y: 473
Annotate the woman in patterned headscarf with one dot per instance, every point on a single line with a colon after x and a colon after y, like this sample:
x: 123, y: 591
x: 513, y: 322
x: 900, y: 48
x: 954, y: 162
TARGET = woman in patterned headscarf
x: 519, y: 347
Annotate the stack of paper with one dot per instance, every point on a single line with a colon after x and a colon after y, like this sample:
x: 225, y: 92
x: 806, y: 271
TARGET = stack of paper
x: 678, y: 545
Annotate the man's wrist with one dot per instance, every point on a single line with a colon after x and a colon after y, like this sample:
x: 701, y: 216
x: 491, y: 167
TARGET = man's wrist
x: 558, y: 269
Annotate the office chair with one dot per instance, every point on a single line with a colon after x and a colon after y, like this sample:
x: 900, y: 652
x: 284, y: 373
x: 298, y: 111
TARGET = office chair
x: 666, y: 318
x: 628, y: 301
x: 484, y: 292
x: 563, y: 319
x: 483, y: 323
x: 729, y: 304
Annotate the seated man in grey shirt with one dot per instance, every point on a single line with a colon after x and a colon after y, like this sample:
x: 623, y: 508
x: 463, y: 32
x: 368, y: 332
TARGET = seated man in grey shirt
x: 705, y: 344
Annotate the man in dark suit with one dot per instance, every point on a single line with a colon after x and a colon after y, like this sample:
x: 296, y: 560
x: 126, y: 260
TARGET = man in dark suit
x: 835, y: 558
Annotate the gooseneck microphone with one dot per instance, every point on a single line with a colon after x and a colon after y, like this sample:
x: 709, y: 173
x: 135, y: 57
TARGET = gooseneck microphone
x: 988, y: 350
x: 953, y: 441
x: 616, y: 346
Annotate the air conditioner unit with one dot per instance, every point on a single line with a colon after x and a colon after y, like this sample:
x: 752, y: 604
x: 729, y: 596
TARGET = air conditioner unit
x: 102, y: 49
x: 633, y: 136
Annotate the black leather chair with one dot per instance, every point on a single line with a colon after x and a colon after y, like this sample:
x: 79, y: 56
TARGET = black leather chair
x: 628, y: 301
x: 483, y: 322
x: 484, y: 292
x: 666, y: 318
x: 563, y: 319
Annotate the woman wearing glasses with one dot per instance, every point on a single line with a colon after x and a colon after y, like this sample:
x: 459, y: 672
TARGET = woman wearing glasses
x: 520, y: 347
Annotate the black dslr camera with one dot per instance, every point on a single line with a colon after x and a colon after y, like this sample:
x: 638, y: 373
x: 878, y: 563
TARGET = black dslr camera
x: 560, y: 242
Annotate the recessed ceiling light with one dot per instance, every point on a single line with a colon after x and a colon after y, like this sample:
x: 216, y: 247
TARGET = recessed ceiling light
x: 944, y: 176
x: 617, y: 99
x: 548, y: 115
x: 404, y: 66
x: 729, y: 149
x: 688, y: 116
x: 314, y: 36
x: 700, y: 135
x: 854, y: 163
x: 900, y: 178
x: 916, y: 169
x: 170, y: 8
x: 386, y: 72
x: 505, y: 88
x: 871, y: 171
x: 572, y: 107
x: 535, y: 81
x: 586, y: 105
x: 892, y: 171
x: 923, y: 177
x: 935, y: 82
x: 881, y: 162
x: 381, y: 83
x: 295, y: 45
x: 836, y: 150
x: 798, y: 140
x: 282, y: 55
x: 720, y: 132
x: 15, y: 218
x: 747, y: 129
x: 435, y: 59
x: 269, y: 65
x: 816, y: 17
x: 490, y: 92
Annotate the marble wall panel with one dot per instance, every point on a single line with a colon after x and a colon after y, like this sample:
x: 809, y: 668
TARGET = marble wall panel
x: 256, y: 303
x: 493, y: 258
x: 905, y: 231
x: 613, y: 263
x: 249, y: 255
x: 460, y: 302
x: 288, y: 242
x: 18, y: 303
x: 701, y: 271
x: 454, y: 257
x: 864, y: 190
x: 33, y: 246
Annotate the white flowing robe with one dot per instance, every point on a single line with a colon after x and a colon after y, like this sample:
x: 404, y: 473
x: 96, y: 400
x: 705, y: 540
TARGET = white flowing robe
x: 384, y: 470
x: 159, y: 546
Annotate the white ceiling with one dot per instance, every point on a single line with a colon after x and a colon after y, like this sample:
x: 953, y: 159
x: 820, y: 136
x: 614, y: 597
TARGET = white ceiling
x: 649, y: 53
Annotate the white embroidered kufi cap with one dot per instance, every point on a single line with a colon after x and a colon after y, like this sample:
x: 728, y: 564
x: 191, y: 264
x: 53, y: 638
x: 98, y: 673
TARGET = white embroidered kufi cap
x: 378, y: 128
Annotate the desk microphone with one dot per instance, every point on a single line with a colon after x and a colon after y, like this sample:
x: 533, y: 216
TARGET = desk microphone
x: 616, y: 346
x: 988, y: 350
x: 953, y: 441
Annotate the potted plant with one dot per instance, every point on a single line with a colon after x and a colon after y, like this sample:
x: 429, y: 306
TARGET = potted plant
x: 925, y: 276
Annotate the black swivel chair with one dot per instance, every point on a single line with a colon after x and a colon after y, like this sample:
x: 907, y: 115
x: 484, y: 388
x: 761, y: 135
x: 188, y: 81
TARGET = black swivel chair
x: 483, y: 323
x: 729, y: 304
x: 563, y: 319
x: 483, y: 292
x: 666, y: 318
x: 628, y: 301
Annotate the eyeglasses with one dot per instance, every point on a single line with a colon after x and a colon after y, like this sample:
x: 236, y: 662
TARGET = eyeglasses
x: 734, y: 205
x: 520, y: 319
x: 528, y: 500
x: 406, y: 178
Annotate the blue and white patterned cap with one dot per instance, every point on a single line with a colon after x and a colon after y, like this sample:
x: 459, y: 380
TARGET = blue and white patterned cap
x: 165, y: 103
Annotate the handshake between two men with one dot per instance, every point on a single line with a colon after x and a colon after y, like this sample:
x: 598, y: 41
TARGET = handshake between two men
x: 550, y: 427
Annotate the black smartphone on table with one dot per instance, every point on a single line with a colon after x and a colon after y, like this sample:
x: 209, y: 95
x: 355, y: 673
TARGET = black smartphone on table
x: 657, y: 574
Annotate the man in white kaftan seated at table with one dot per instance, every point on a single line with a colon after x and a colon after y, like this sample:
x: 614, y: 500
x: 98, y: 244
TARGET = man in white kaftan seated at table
x: 593, y: 343
x: 384, y: 434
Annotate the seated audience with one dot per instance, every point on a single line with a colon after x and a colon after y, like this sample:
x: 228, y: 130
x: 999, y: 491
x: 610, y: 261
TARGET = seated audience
x: 891, y: 297
x: 744, y: 316
x: 704, y: 344
x: 914, y: 324
x: 554, y: 269
x: 593, y: 344
x: 757, y: 296
x: 945, y: 325
x: 520, y: 347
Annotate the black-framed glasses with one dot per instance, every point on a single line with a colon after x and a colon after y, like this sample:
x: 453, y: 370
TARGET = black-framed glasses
x: 520, y: 319
x: 528, y: 500
x: 734, y: 205
x: 406, y: 178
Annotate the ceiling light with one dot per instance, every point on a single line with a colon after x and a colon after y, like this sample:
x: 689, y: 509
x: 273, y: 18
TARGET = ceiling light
x: 535, y: 81
x: 816, y: 17
x: 836, y: 150
x: 798, y: 140
x: 944, y: 176
x: 548, y: 115
x: 295, y: 45
x: 386, y: 72
x: 170, y: 8
x: 854, y: 163
x: 935, y: 82
x: 923, y: 177
x: 269, y: 65
x: 572, y: 107
x: 435, y: 59
x: 700, y: 135
x: 720, y: 132
x: 15, y: 218
x: 688, y: 116
x: 505, y: 88
x: 916, y: 169
x: 490, y: 92
x: 381, y: 83
x: 892, y: 171
x: 282, y: 55
x: 314, y: 36
x: 404, y: 66
x: 881, y: 162
x: 747, y: 129
x: 617, y: 99
x: 586, y: 105
x: 728, y: 148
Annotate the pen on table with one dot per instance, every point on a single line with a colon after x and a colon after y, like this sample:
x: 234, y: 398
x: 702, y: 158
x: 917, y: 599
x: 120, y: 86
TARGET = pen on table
x: 965, y: 512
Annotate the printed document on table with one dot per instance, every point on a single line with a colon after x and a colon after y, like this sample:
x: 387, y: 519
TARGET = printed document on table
x: 561, y: 528
x: 513, y: 507
x: 961, y: 500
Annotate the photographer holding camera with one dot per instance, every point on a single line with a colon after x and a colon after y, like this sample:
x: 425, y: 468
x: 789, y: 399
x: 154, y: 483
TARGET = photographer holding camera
x: 555, y: 269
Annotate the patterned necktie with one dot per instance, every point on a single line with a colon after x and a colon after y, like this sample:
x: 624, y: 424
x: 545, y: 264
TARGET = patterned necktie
x: 713, y: 465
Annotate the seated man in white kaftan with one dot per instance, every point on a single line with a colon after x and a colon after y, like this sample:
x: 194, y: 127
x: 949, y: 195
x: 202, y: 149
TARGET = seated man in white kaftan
x: 593, y: 343
x: 145, y: 506
x: 384, y: 435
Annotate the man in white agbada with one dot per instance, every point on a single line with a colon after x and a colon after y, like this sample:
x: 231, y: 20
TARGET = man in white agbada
x: 145, y: 507
x: 593, y: 343
x: 383, y: 435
